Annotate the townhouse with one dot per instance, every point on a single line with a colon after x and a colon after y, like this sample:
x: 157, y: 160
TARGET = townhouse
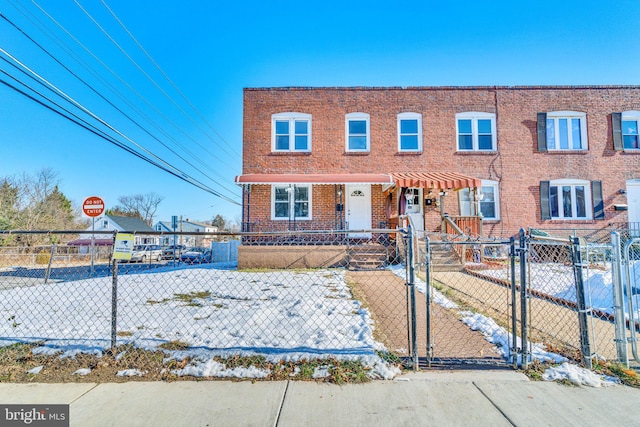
x: 484, y: 160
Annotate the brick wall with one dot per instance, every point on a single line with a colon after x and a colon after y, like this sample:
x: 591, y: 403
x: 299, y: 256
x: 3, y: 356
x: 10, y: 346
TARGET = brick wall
x: 517, y: 165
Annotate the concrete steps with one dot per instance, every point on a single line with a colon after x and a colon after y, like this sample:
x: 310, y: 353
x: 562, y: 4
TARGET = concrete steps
x: 368, y: 256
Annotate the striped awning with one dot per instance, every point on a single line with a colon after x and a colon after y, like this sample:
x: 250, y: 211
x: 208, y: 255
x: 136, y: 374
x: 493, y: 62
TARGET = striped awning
x: 435, y: 180
x: 303, y: 178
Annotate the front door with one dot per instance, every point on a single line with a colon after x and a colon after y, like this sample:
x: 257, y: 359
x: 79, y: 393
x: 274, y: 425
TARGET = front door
x: 358, y: 209
x: 633, y: 203
x: 413, y: 208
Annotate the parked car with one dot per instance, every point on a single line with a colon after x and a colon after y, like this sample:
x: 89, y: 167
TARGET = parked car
x: 173, y: 251
x: 196, y: 256
x: 144, y: 253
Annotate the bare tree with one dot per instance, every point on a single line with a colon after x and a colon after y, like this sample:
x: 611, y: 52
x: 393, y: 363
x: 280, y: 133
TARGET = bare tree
x: 142, y: 206
x: 35, y: 202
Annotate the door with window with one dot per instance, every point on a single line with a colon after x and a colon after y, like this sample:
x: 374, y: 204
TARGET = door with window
x: 633, y: 203
x: 414, y: 208
x: 358, y: 209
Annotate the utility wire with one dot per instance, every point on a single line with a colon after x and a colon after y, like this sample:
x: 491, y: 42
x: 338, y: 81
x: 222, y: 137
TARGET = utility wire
x: 157, y: 86
x: 82, y: 123
x: 164, y: 165
x: 177, y: 89
x: 107, y: 100
x: 30, y: 17
x: 114, y: 74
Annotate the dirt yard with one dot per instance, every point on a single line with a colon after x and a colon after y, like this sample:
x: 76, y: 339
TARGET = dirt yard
x: 385, y: 295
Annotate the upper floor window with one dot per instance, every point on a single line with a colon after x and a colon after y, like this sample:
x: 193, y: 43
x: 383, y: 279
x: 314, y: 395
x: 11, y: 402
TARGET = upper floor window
x: 562, y: 130
x: 291, y: 132
x: 409, y: 132
x: 357, y: 132
x: 476, y: 131
x: 487, y: 198
x: 572, y: 199
x: 625, y: 130
x: 291, y: 202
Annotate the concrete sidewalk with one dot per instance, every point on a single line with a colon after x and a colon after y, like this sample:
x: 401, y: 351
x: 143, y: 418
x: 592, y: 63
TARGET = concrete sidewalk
x: 456, y: 398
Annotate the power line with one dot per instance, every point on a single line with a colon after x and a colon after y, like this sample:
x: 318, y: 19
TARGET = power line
x: 144, y: 73
x: 106, y: 137
x: 107, y: 100
x: 158, y: 162
x: 177, y: 89
x: 115, y: 75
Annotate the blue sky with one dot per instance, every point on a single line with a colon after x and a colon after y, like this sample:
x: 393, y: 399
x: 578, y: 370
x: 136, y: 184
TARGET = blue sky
x: 212, y: 50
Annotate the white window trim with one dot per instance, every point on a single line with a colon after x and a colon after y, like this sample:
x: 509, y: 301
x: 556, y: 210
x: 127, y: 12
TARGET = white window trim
x: 410, y: 116
x: 569, y: 115
x: 631, y: 115
x: 496, y: 192
x: 587, y: 196
x: 291, y: 117
x: 291, y: 203
x: 357, y: 116
x: 474, y: 116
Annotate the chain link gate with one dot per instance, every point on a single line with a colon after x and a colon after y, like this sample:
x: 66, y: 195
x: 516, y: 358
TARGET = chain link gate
x: 470, y: 301
x: 628, y: 300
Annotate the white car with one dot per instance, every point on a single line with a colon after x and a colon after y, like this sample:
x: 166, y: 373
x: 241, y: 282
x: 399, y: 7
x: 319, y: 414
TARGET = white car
x: 144, y: 253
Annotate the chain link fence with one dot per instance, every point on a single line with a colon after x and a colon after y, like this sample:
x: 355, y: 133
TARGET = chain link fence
x: 283, y: 305
x: 306, y: 304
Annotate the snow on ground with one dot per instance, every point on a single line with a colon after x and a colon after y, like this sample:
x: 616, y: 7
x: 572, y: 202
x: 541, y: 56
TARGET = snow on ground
x: 501, y: 338
x: 577, y: 375
x: 557, y: 280
x: 493, y: 333
x: 282, y: 315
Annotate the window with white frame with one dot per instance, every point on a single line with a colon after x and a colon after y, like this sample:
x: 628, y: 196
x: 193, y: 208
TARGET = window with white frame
x: 291, y: 202
x: 409, y: 132
x: 488, y: 201
x: 562, y: 130
x: 476, y: 131
x: 571, y: 199
x: 291, y: 132
x: 357, y: 132
x: 630, y: 136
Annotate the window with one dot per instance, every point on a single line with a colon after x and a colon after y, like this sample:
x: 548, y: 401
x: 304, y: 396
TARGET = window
x: 476, y: 131
x: 625, y: 130
x: 571, y: 199
x: 291, y: 202
x: 487, y: 201
x: 409, y: 132
x: 562, y: 130
x: 357, y: 129
x: 291, y: 132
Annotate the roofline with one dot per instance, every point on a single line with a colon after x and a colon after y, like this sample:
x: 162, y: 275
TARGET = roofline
x: 428, y: 88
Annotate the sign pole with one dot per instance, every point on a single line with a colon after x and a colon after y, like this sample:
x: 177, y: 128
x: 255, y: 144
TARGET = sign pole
x: 93, y: 207
x: 93, y: 240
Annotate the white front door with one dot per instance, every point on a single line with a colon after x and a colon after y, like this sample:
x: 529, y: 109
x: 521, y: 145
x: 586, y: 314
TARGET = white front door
x: 358, y: 209
x: 633, y: 203
x: 413, y: 197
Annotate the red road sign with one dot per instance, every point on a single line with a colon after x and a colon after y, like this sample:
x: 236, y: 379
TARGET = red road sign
x: 93, y: 206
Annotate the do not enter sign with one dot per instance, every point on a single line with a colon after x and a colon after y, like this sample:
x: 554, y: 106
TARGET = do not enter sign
x: 93, y: 206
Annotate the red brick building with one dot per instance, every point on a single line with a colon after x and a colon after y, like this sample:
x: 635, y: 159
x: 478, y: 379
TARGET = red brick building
x: 358, y: 158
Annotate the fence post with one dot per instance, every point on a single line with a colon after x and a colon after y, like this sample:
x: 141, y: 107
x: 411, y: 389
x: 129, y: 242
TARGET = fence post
x: 585, y: 344
x: 513, y: 351
x: 427, y: 294
x: 412, y: 295
x: 524, y: 321
x: 114, y: 303
x: 618, y: 298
